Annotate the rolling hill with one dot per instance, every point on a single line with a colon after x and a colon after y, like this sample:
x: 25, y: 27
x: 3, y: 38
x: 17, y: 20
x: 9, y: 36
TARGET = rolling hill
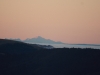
x: 18, y: 58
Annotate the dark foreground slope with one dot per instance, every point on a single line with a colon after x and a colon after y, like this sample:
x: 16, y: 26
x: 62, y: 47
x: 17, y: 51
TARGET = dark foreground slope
x: 17, y: 58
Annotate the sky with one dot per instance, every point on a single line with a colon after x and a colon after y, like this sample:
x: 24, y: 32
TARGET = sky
x: 69, y: 21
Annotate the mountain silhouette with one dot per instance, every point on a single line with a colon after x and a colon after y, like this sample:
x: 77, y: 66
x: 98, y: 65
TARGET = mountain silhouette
x: 40, y: 39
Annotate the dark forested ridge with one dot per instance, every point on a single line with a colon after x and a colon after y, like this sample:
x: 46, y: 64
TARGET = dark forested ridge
x: 17, y: 58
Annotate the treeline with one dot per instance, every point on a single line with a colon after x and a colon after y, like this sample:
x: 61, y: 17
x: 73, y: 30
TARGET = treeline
x: 24, y: 59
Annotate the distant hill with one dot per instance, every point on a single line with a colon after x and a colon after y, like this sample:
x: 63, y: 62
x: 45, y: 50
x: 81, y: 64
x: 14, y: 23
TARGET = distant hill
x: 17, y: 47
x: 18, y: 39
x: 40, y: 39
x: 9, y: 41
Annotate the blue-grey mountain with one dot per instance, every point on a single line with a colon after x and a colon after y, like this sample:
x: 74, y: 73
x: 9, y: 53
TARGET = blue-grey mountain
x: 40, y: 39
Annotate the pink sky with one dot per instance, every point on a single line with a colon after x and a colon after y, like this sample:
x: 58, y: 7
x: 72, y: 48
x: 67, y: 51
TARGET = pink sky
x: 69, y: 21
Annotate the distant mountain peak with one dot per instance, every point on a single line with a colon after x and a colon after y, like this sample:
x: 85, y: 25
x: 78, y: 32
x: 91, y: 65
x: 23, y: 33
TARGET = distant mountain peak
x: 40, y: 39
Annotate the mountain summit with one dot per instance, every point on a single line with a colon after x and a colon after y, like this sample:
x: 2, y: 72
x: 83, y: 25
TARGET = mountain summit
x: 40, y: 39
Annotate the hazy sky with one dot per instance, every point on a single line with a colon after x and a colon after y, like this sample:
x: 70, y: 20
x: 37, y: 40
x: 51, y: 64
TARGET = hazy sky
x: 70, y: 21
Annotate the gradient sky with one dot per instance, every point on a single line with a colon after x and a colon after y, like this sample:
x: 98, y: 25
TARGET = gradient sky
x: 69, y: 21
